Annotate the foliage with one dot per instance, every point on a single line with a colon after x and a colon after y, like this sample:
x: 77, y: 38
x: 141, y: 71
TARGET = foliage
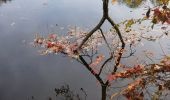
x: 102, y: 52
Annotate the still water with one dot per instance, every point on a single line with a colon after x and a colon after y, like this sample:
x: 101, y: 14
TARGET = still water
x: 25, y: 73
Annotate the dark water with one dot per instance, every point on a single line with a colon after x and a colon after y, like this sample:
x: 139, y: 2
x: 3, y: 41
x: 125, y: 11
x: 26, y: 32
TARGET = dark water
x: 25, y: 73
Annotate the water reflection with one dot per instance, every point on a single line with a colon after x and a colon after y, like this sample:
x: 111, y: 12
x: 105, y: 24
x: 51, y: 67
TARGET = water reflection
x: 131, y: 3
x: 23, y: 72
x: 4, y: 1
x: 137, y: 3
x: 159, y: 2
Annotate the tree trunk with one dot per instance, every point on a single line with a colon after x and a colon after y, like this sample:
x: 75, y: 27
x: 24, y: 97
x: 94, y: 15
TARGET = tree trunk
x: 104, y: 92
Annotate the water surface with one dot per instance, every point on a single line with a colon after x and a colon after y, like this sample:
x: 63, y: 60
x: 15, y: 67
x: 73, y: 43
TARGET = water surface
x: 25, y: 73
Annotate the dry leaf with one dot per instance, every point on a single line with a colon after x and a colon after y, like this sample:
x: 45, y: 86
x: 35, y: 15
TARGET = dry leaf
x: 114, y: 1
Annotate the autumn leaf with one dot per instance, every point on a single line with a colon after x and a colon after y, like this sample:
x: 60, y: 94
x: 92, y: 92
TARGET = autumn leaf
x: 114, y: 1
x: 99, y: 58
x: 129, y: 23
x: 52, y: 36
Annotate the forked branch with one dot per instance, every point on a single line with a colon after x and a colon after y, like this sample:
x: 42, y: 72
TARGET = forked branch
x: 98, y: 27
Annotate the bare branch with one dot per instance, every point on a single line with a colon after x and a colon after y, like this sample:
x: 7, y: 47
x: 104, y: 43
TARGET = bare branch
x: 117, y: 30
x: 105, y: 15
x: 105, y: 39
x: 91, y: 70
x: 91, y: 32
x: 101, y: 68
x: 131, y: 52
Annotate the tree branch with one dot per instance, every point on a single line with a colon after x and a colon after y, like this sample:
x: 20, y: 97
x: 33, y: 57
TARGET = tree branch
x: 101, y: 68
x: 105, y: 39
x: 117, y: 30
x: 91, y: 32
x: 122, y: 41
x: 91, y: 70
x: 105, y: 15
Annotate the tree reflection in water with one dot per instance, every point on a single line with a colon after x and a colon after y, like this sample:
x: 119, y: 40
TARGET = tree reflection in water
x: 4, y: 1
x: 137, y: 3
x: 66, y: 93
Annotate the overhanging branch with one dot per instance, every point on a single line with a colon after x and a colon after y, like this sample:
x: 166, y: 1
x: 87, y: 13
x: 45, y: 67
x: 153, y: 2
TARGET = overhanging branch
x: 91, y: 70
x: 91, y: 32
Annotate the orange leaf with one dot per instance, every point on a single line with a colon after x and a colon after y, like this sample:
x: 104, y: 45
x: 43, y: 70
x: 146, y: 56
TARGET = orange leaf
x: 114, y: 1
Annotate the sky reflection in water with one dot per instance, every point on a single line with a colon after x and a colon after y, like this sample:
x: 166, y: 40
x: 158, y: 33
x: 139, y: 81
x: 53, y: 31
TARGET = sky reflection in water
x: 23, y: 72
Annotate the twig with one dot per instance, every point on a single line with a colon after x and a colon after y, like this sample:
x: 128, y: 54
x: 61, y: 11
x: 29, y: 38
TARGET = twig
x: 101, y: 68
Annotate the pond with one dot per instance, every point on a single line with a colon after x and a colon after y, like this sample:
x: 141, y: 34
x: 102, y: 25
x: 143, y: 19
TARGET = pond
x: 23, y: 71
